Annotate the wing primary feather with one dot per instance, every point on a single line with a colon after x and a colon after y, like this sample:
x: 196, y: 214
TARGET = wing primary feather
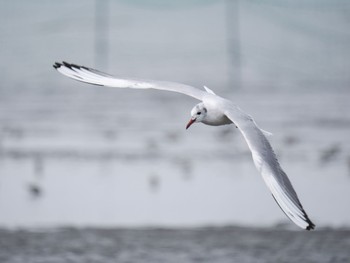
x: 267, y: 164
x: 96, y: 77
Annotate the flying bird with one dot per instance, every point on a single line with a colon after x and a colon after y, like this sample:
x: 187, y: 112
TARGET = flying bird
x: 214, y: 110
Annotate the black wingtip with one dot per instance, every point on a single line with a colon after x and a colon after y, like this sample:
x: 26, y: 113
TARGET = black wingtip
x: 66, y: 64
x: 311, y: 226
x: 57, y: 65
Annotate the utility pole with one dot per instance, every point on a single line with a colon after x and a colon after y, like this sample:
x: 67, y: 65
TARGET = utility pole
x: 233, y: 44
x: 101, y: 33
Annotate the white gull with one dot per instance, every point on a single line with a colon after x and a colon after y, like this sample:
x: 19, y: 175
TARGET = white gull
x: 214, y: 110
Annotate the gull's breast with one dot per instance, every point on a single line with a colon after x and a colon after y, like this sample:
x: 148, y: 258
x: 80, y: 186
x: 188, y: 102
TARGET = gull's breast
x: 216, y: 119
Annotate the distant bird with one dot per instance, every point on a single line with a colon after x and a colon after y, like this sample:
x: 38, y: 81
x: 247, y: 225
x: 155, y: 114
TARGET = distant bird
x: 34, y: 190
x: 214, y: 110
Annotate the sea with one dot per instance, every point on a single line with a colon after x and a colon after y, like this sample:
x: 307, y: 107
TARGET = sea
x: 157, y: 245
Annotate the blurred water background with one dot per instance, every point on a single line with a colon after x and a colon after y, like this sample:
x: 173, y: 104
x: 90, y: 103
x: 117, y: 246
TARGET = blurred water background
x: 84, y: 156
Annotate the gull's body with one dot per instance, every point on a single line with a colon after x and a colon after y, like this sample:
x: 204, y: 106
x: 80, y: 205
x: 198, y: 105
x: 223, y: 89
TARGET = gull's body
x: 215, y: 110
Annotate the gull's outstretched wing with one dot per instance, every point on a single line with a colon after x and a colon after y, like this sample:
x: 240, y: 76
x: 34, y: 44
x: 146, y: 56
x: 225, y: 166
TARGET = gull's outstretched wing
x: 267, y: 164
x: 93, y: 76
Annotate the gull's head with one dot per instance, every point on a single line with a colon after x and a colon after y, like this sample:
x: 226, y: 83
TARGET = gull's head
x: 198, y: 113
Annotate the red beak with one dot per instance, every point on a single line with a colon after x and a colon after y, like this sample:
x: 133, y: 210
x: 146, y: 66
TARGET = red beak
x: 190, y: 123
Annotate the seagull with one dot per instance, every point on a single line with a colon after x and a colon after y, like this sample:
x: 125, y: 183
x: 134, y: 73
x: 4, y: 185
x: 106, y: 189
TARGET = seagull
x: 214, y: 110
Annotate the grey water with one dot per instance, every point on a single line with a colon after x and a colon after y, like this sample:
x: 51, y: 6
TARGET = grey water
x: 153, y: 245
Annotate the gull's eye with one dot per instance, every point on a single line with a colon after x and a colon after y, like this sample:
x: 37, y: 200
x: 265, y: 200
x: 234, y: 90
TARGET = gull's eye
x: 199, y: 113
